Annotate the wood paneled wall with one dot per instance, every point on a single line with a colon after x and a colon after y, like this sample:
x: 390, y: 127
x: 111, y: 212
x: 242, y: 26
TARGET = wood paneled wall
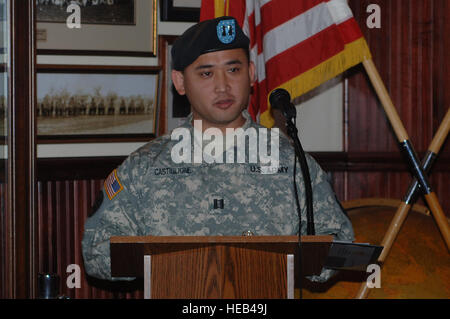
x: 4, y: 221
x: 411, y: 52
x: 62, y: 208
x: 65, y: 198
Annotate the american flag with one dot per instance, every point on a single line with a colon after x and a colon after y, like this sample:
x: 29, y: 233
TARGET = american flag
x: 112, y: 185
x: 295, y: 44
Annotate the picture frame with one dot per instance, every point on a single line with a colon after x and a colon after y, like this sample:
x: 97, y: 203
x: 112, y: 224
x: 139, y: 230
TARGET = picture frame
x: 85, y: 103
x: 98, y: 36
x: 3, y: 31
x: 181, y: 10
x: 174, y: 108
x: 118, y: 12
x: 3, y: 104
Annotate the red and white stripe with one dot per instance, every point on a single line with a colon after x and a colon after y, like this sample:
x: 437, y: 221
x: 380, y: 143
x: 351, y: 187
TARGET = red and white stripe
x: 289, y: 37
x: 289, y: 30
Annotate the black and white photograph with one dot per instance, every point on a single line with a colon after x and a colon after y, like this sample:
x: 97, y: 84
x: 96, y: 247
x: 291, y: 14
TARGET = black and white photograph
x: 103, y: 27
x: 103, y: 104
x: 113, y: 12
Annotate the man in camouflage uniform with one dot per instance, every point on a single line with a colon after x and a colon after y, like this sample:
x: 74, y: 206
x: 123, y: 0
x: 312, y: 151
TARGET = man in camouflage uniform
x: 151, y: 194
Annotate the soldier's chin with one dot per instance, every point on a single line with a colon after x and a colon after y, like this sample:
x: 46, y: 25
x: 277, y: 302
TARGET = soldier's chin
x: 227, y: 115
x: 225, y: 120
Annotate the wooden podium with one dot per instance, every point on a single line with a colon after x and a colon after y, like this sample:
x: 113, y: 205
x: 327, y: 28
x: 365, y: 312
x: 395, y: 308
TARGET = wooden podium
x: 219, y: 267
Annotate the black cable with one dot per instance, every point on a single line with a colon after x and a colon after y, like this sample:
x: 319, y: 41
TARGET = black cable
x: 299, y: 228
x: 300, y: 154
x: 280, y: 99
x: 308, y: 191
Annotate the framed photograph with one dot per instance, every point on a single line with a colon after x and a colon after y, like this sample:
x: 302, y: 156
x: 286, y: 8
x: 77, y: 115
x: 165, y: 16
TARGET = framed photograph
x: 96, y: 103
x: 180, y: 10
x: 3, y: 104
x: 119, y: 27
x: 118, y: 12
x: 174, y: 107
x: 4, y: 30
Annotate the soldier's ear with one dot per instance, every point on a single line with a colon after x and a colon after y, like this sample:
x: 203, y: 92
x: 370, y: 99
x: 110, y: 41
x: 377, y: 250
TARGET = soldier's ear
x: 252, y: 73
x: 178, y: 82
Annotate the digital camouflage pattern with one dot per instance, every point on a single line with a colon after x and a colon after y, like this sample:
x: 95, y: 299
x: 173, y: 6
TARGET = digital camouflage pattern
x: 161, y: 198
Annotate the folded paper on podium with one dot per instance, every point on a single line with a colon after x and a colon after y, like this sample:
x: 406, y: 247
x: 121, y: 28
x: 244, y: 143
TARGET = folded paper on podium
x: 218, y: 266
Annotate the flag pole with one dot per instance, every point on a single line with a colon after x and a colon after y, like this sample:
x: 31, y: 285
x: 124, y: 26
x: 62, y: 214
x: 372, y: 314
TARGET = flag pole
x: 418, y: 170
x: 408, y: 201
x: 403, y: 139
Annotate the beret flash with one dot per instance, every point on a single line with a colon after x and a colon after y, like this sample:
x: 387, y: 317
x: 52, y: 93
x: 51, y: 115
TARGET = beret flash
x: 223, y: 33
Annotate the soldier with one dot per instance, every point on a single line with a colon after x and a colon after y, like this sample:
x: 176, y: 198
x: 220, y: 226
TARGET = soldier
x: 152, y: 194
x: 59, y: 106
x: 101, y: 107
x: 93, y: 107
x: 123, y: 107
x: 149, y: 106
x: 71, y: 107
x: 112, y: 106
x: 3, y: 108
x: 46, y: 106
x: 82, y: 105
x: 141, y: 107
x: 132, y: 107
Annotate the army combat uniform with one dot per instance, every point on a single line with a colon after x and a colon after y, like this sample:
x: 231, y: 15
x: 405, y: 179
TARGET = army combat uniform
x: 151, y: 195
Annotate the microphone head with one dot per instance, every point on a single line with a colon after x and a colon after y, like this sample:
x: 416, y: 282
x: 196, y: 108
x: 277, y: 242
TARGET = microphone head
x: 279, y: 98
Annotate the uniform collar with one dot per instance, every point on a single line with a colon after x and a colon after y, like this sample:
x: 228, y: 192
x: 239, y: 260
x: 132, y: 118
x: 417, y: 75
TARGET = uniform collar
x: 221, y: 143
x: 245, y: 114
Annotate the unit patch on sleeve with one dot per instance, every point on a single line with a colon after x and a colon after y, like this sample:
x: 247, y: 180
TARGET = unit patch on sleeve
x: 112, y: 185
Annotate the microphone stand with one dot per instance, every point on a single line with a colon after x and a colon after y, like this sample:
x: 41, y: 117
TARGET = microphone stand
x: 280, y: 99
x: 290, y: 114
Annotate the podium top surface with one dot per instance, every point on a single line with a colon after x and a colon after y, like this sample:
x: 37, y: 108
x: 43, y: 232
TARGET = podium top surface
x: 127, y: 252
x: 217, y: 239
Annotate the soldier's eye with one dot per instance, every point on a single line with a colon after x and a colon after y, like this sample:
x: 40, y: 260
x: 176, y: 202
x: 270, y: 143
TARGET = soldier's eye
x: 205, y: 74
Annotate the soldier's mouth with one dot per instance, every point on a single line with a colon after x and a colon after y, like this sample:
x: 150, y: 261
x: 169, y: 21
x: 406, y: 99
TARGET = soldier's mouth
x: 224, y: 104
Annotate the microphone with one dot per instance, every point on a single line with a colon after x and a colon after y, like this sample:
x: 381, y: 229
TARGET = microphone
x: 280, y: 99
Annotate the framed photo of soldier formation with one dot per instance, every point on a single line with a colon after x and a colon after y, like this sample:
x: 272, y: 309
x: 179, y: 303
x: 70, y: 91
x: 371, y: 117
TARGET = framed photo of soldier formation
x: 96, y: 103
x: 94, y: 27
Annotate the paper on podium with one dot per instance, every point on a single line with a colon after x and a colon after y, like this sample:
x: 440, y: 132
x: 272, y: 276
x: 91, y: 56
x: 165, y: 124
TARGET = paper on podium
x: 346, y: 255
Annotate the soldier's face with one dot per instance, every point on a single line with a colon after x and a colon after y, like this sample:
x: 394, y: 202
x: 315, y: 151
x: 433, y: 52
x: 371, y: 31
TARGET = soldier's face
x: 217, y: 85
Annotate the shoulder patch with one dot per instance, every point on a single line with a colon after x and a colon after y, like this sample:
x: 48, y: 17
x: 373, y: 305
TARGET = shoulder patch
x: 112, y: 185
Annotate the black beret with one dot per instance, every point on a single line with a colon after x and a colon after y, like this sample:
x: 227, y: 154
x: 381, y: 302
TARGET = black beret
x: 223, y: 33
